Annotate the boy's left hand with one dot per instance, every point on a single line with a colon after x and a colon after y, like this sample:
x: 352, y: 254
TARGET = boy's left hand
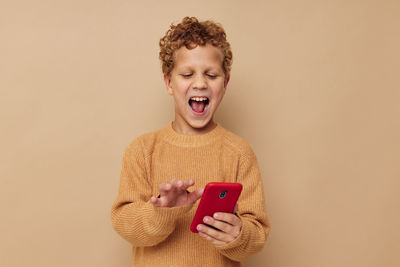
x: 228, y: 227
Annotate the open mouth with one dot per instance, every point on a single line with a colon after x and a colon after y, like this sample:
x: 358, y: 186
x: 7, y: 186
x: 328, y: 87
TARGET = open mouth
x: 198, y: 103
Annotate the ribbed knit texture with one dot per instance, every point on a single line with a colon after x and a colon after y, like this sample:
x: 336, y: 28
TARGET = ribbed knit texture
x: 161, y: 236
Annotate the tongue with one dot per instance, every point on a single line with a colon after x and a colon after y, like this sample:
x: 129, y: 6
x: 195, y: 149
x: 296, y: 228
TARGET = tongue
x: 198, y: 106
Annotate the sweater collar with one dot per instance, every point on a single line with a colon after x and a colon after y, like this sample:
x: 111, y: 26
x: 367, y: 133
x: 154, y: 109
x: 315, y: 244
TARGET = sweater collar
x: 186, y: 140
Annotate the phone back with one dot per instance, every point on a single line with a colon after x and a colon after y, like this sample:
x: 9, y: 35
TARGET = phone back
x: 217, y: 197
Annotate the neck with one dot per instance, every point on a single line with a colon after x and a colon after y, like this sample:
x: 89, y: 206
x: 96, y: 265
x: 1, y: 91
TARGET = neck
x: 193, y: 131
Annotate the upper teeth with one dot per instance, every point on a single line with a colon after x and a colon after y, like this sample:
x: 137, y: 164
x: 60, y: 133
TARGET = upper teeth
x: 199, y: 98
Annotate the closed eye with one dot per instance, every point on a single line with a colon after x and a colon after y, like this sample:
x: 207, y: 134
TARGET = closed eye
x: 187, y: 75
x: 212, y: 76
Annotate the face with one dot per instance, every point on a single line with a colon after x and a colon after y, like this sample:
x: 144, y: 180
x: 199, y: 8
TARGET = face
x: 197, y: 83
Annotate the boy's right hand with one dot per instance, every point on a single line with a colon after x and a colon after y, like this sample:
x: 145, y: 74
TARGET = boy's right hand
x: 175, y: 194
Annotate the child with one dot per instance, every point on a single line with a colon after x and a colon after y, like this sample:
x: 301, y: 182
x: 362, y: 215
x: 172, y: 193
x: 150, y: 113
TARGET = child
x: 164, y: 172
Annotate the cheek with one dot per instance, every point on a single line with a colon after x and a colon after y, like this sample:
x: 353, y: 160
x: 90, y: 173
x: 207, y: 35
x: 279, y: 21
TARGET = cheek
x: 180, y: 98
x: 178, y: 88
x: 219, y: 91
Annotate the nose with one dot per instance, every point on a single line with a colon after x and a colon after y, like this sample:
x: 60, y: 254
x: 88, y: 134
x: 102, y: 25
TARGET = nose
x: 199, y: 82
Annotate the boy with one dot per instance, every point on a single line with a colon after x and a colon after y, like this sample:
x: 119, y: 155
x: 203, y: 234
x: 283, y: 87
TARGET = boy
x: 157, y: 198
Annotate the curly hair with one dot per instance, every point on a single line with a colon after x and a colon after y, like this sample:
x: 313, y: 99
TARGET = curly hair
x: 191, y: 33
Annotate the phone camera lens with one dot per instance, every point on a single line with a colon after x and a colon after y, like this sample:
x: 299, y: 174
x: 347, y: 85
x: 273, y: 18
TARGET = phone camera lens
x: 222, y: 194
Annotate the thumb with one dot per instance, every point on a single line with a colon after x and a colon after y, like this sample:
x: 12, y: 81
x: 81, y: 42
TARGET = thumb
x: 236, y: 208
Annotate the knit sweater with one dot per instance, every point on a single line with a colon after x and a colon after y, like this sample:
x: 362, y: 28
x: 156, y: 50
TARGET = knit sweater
x: 161, y: 236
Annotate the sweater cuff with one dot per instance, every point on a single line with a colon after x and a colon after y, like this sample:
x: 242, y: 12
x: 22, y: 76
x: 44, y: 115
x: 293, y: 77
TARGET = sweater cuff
x: 164, y: 216
x: 233, y: 247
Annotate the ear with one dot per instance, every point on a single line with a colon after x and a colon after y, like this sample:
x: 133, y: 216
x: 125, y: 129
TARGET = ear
x: 167, y: 81
x: 227, y: 78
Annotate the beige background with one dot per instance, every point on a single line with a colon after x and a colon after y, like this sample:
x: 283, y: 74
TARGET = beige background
x: 314, y: 90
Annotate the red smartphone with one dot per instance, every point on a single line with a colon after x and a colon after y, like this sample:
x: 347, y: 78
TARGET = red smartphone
x: 217, y: 197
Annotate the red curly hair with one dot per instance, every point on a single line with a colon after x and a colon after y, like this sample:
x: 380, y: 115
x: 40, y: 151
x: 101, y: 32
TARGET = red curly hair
x: 191, y: 33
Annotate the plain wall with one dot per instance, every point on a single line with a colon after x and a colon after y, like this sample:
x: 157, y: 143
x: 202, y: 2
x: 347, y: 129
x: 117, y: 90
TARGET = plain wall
x: 314, y: 90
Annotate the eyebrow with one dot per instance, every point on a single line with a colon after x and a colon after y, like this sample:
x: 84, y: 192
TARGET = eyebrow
x: 207, y: 68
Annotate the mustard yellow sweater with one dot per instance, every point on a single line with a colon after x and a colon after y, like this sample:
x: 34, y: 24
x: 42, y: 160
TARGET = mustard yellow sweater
x: 161, y: 236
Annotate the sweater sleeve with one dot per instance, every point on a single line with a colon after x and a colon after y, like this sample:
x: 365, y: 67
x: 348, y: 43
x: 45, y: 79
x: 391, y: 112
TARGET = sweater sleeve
x: 132, y: 215
x: 255, y: 224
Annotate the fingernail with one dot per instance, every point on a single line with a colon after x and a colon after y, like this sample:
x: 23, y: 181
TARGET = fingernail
x: 206, y: 220
x: 216, y: 215
x: 199, y: 228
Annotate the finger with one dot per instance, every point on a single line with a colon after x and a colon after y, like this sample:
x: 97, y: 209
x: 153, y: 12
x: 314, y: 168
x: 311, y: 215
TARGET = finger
x: 228, y: 218
x: 211, y: 239
x: 176, y: 190
x: 179, y: 184
x: 214, y: 234
x: 232, y: 230
x: 164, y: 188
x: 155, y: 201
x: 188, y: 183
x: 195, y: 195
x: 176, y: 184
